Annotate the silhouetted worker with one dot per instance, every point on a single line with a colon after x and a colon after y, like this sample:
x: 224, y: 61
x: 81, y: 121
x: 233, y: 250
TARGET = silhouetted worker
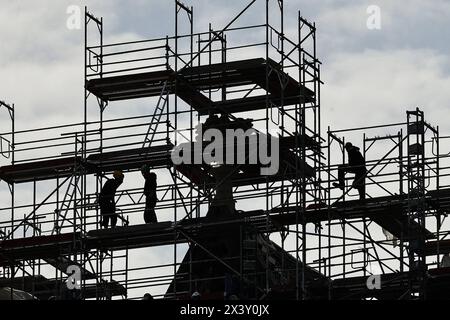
x: 357, y: 165
x: 107, y: 199
x: 150, y: 195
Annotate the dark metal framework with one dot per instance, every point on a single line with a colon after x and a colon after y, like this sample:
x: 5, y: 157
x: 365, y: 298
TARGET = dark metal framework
x: 405, y: 194
x: 326, y: 240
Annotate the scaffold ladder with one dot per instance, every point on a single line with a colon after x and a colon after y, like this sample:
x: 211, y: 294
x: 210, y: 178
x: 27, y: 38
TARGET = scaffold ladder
x: 156, y: 118
x: 62, y: 211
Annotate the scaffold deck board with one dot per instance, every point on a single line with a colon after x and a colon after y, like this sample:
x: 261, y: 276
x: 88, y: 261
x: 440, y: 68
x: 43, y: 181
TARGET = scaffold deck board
x: 133, y: 85
x: 43, y: 288
x: 190, y: 82
x: 243, y: 72
x: 132, y: 237
x: 251, y: 103
x: 388, y: 214
x: 39, y: 247
x: 157, y: 234
x: 155, y: 156
x: 40, y: 170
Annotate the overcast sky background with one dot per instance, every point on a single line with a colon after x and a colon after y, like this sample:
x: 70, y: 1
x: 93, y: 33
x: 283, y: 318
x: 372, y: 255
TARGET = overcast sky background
x: 371, y: 76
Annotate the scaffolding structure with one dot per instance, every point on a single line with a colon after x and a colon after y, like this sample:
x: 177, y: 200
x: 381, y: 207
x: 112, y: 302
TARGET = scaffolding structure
x: 293, y: 235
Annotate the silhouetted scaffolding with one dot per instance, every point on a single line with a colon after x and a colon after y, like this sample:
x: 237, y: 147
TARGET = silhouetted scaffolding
x: 299, y: 237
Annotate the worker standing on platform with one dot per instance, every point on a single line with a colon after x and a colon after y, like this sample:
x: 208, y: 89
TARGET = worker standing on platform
x: 357, y: 165
x: 107, y: 199
x: 150, y: 195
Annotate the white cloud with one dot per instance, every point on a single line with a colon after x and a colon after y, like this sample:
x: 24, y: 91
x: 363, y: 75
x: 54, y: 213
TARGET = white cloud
x: 383, y: 85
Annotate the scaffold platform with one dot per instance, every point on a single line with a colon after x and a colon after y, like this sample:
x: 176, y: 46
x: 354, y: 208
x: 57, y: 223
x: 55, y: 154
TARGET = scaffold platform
x: 190, y: 81
x: 389, y: 213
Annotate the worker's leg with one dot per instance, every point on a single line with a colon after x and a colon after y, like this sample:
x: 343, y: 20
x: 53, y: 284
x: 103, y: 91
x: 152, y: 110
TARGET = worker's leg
x: 341, y: 177
x: 360, y: 182
x: 147, y: 218
x: 150, y: 214
x: 113, y: 220
x: 104, y: 213
x: 105, y: 221
x: 362, y: 193
x: 153, y: 216
x: 113, y: 215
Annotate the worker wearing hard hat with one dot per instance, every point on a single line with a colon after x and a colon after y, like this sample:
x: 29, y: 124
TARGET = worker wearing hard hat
x: 107, y: 199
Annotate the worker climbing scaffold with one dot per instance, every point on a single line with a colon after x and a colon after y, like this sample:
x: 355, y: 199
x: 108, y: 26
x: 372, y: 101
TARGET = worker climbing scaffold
x: 356, y: 165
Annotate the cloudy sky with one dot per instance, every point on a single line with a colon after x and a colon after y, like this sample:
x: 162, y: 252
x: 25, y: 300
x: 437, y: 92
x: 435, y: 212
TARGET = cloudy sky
x: 383, y: 72
x: 371, y: 76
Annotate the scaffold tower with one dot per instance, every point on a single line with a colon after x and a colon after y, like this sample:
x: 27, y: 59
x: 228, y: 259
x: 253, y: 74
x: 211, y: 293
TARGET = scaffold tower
x: 223, y: 229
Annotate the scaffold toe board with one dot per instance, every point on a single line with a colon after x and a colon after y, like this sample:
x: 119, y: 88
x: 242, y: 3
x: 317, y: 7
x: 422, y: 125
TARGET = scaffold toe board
x: 40, y: 170
x: 243, y: 72
x: 138, y: 236
x: 40, y: 247
x: 129, y: 86
x: 155, y: 156
x: 44, y: 289
x: 390, y: 216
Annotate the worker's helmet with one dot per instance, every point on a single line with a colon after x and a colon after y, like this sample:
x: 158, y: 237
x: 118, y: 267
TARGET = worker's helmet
x: 118, y: 175
x: 148, y: 296
x: 145, y: 169
x: 348, y: 145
